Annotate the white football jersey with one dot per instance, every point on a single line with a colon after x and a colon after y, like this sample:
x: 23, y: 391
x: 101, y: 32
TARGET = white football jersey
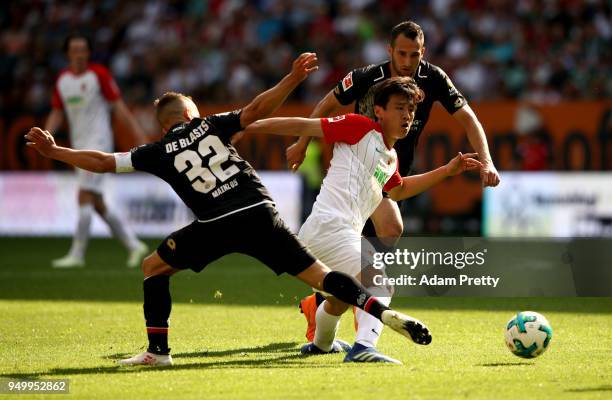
x: 362, y: 167
x: 85, y: 99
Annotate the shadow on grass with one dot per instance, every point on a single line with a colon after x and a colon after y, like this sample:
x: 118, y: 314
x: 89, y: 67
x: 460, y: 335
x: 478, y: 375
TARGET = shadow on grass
x: 507, y: 364
x: 603, y: 388
x: 269, y: 348
x: 290, y: 359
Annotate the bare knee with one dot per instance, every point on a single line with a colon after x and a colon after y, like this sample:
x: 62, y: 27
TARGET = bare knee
x: 391, y: 229
x: 334, y: 306
x: 154, y: 265
x: 388, y: 220
x: 85, y: 197
x: 147, y: 265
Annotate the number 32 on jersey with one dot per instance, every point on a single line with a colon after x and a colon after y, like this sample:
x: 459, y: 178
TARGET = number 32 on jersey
x: 204, y: 179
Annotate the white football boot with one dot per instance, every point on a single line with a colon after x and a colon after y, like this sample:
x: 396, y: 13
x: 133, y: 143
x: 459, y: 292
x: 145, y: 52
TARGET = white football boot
x: 68, y: 261
x: 135, y: 257
x: 147, y: 358
x: 407, y: 326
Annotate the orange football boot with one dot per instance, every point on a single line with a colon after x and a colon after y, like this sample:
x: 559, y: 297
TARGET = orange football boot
x: 308, y: 307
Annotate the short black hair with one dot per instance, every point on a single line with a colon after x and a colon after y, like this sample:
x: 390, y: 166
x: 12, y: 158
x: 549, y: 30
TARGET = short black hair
x: 401, y: 85
x: 410, y: 29
x: 76, y: 35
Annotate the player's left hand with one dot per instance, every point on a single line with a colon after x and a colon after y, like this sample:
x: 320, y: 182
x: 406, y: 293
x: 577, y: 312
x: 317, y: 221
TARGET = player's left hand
x: 304, y: 65
x: 461, y: 163
x: 42, y: 141
x: 489, y: 175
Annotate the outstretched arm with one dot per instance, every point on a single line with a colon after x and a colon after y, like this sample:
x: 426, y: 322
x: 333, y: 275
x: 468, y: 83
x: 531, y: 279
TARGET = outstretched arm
x: 91, y: 160
x: 294, y: 126
x: 296, y: 153
x: 267, y: 102
x: 54, y: 120
x: 415, y: 184
x: 476, y: 135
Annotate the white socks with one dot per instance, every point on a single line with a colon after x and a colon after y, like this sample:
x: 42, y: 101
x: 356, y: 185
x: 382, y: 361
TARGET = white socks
x: 120, y: 230
x: 327, y: 325
x: 81, y: 236
x: 370, y: 328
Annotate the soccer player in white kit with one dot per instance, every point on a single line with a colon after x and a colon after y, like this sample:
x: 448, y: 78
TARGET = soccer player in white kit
x: 86, y: 93
x: 364, y: 163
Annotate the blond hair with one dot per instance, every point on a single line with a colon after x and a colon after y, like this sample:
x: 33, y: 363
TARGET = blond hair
x: 170, y: 105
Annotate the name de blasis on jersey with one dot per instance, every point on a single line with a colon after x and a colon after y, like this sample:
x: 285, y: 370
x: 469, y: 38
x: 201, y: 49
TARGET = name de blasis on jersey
x: 204, y: 178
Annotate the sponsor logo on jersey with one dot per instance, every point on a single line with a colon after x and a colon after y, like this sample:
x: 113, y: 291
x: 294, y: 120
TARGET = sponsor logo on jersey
x: 336, y: 118
x: 347, y: 81
x: 380, y: 176
x: 451, y: 89
x: 224, y: 188
x: 74, y: 100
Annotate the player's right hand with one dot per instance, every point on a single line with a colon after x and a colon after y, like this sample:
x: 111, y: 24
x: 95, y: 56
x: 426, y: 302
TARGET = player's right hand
x: 304, y: 65
x: 296, y: 153
x: 463, y: 162
x: 42, y: 141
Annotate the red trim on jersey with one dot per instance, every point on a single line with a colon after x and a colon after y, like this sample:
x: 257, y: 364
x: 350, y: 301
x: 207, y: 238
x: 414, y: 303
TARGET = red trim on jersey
x: 395, y: 180
x: 56, y: 98
x: 348, y: 128
x: 108, y: 87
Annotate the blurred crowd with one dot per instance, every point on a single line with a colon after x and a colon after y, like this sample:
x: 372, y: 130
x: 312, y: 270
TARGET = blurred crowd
x: 229, y: 50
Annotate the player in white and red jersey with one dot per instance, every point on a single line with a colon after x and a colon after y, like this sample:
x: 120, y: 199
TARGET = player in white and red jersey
x: 86, y: 93
x: 364, y: 163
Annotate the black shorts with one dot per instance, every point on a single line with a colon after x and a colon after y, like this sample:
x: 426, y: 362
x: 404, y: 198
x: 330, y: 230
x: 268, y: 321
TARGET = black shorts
x: 258, y: 232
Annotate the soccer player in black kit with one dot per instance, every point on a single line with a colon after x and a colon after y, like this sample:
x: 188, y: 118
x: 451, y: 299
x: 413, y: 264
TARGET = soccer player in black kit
x: 406, y: 50
x: 197, y: 159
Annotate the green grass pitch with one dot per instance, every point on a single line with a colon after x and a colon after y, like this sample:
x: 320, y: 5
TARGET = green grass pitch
x: 74, y: 324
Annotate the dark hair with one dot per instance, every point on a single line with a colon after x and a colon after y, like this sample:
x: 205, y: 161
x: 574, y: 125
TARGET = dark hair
x: 410, y: 29
x: 401, y: 85
x: 76, y: 35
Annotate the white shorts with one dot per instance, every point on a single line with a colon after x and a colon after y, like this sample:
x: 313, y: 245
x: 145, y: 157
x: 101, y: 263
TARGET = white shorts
x: 335, y: 243
x: 90, y: 181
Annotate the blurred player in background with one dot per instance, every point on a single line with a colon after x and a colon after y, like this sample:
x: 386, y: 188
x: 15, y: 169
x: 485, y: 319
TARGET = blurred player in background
x: 87, y: 94
x: 406, y: 50
x: 234, y: 211
x: 364, y: 164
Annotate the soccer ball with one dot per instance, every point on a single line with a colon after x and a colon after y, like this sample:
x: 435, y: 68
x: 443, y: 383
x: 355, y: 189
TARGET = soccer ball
x: 528, y: 334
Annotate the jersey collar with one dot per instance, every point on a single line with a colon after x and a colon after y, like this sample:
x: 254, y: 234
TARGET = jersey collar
x: 176, y: 127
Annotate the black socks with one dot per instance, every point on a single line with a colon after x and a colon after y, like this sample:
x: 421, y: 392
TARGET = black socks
x: 349, y: 290
x: 157, y: 306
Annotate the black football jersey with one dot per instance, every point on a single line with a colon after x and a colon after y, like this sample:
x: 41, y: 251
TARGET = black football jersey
x: 357, y: 86
x: 198, y: 160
